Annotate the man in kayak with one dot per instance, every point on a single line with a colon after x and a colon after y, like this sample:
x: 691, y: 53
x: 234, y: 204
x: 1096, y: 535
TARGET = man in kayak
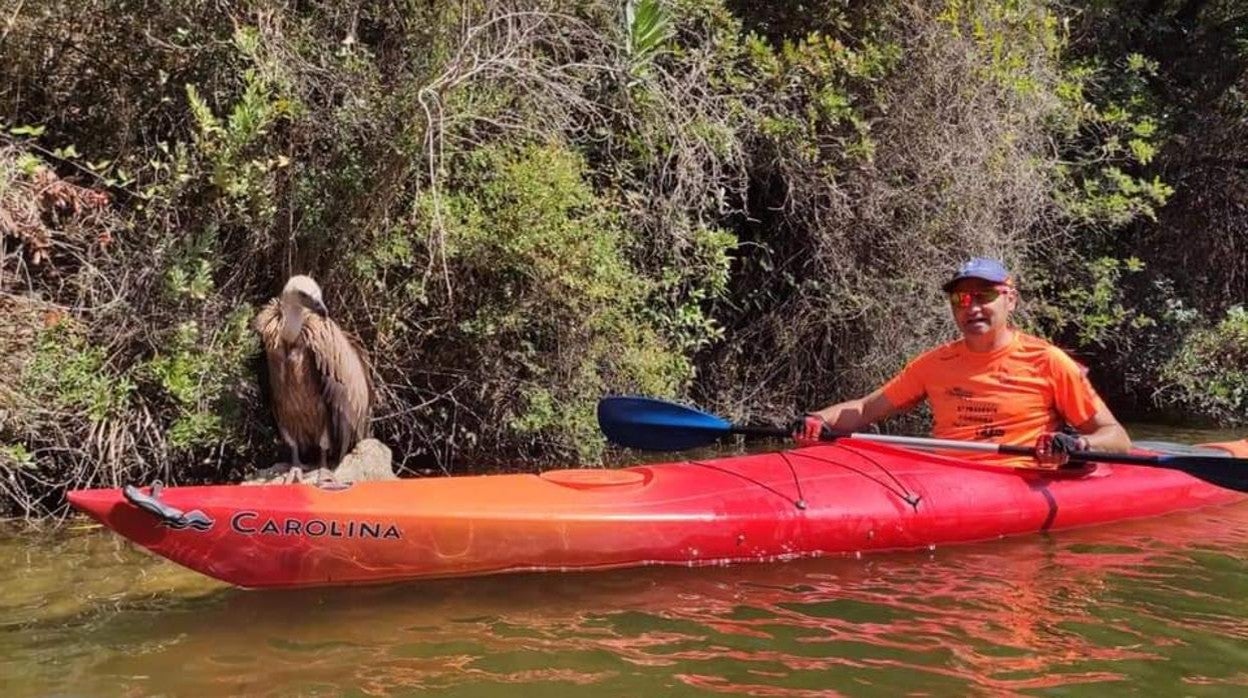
x: 995, y: 384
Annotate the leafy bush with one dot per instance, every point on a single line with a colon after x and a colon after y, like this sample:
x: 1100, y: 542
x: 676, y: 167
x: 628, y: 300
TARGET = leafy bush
x: 1208, y: 377
x: 557, y: 314
x: 1091, y: 306
x: 70, y: 374
x: 201, y: 379
x: 1109, y: 124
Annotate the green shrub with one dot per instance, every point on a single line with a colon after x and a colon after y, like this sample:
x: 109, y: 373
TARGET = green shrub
x: 1110, y: 132
x: 553, y: 313
x: 69, y: 372
x: 241, y: 162
x: 1208, y: 377
x: 1091, y: 306
x: 200, y: 379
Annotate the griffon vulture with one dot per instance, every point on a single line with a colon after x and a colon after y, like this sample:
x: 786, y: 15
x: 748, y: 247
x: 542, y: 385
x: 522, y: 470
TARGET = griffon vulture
x: 319, y: 376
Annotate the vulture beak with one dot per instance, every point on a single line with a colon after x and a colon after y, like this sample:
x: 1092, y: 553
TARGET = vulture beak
x: 316, y: 306
x: 313, y: 303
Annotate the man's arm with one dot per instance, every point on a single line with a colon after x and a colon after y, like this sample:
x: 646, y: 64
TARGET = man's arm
x: 1075, y: 397
x: 1103, y: 433
x: 855, y: 415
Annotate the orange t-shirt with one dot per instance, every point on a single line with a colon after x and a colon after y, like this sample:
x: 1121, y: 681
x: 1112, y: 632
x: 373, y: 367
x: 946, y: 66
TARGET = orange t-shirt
x: 1008, y: 396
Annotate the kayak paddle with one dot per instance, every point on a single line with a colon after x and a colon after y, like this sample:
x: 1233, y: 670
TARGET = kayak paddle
x: 650, y: 424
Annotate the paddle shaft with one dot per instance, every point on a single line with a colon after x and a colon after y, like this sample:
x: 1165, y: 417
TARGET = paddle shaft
x: 949, y: 444
x: 954, y: 445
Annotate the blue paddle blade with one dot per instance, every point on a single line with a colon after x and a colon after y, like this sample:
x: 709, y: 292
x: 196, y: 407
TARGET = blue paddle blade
x: 657, y: 425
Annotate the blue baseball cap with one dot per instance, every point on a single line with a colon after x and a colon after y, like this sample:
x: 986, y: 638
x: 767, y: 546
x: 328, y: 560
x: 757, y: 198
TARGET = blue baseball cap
x: 980, y: 268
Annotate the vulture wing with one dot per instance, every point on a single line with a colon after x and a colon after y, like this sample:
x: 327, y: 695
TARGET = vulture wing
x: 268, y: 324
x: 346, y: 381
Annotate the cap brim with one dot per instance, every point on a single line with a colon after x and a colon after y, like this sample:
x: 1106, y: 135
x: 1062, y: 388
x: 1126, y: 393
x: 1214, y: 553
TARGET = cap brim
x: 954, y: 281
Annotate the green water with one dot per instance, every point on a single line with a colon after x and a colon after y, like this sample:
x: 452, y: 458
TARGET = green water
x: 1157, y: 607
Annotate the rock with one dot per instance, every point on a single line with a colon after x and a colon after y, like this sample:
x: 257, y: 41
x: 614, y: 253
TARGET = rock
x: 286, y: 474
x: 269, y: 475
x: 369, y: 460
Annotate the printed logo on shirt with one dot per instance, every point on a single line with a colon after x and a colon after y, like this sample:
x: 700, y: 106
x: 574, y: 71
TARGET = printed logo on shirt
x: 960, y: 393
x: 989, y: 432
x: 970, y: 413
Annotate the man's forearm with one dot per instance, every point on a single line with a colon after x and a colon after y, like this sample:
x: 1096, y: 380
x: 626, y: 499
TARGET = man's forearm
x: 1111, y: 438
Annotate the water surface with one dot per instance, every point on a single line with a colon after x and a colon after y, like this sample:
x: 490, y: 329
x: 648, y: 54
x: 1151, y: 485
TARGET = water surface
x: 1156, y: 607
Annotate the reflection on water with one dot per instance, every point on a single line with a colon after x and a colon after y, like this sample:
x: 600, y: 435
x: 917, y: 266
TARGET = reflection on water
x: 1139, y: 608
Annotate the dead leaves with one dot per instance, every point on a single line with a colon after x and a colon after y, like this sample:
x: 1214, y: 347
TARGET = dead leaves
x: 38, y: 208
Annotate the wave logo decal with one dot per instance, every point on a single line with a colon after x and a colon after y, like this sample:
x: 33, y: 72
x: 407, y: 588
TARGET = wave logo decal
x: 194, y: 519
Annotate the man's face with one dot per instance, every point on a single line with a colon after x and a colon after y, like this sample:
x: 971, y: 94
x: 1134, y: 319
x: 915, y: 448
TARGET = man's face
x: 981, y: 307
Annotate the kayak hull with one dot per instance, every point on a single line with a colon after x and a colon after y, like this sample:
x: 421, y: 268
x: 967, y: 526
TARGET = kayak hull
x: 842, y: 498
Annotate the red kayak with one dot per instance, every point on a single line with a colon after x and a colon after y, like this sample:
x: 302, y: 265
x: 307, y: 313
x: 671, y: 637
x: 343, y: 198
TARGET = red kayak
x: 827, y: 499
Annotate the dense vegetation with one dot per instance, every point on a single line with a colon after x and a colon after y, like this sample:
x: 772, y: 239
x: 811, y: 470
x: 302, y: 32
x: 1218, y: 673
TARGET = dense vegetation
x: 524, y: 205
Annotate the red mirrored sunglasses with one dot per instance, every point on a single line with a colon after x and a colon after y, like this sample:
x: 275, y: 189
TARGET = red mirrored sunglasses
x: 983, y: 296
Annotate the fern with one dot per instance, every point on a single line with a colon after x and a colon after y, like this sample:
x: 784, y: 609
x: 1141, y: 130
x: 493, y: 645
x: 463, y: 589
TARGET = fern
x: 649, y: 26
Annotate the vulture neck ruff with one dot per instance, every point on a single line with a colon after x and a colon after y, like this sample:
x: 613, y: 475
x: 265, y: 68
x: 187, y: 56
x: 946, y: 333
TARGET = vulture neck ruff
x: 293, y: 315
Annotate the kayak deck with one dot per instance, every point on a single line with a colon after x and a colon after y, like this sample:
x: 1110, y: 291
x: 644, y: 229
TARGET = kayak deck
x: 839, y: 498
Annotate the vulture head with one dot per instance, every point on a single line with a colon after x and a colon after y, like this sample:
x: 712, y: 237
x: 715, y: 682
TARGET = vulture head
x: 300, y: 296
